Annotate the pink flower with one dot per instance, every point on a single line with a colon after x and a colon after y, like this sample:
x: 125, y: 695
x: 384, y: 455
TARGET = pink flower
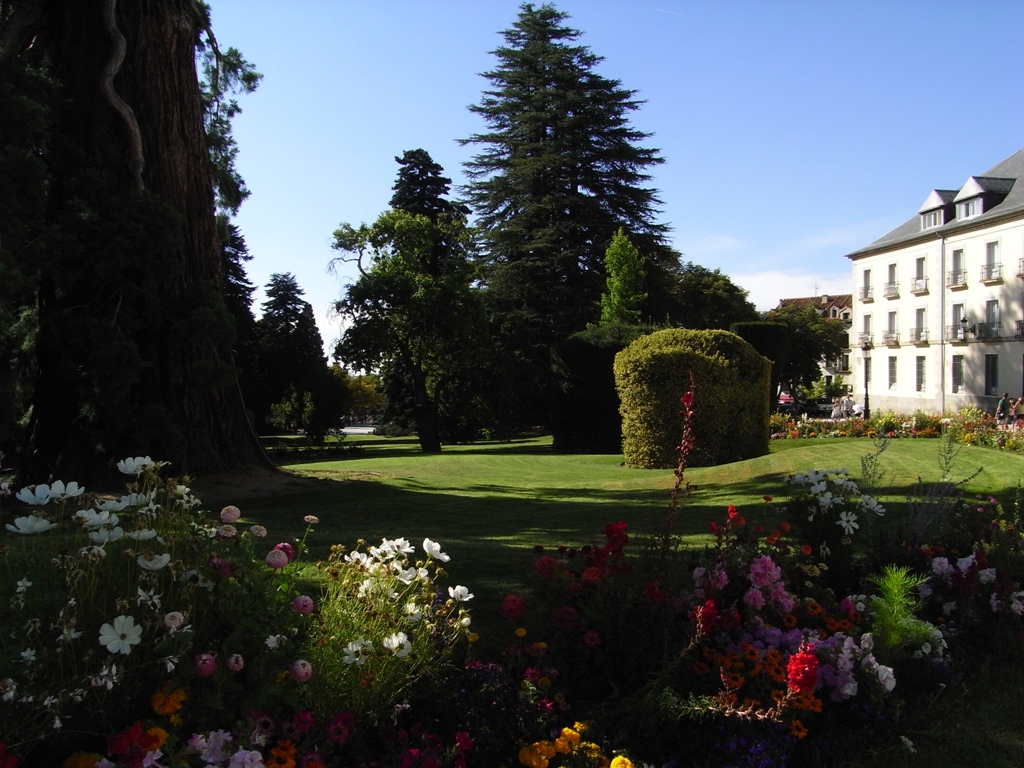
x: 301, y: 670
x: 763, y: 571
x: 591, y: 638
x: 221, y: 567
x: 230, y: 513
x: 565, y: 617
x: 754, y: 598
x: 276, y: 558
x: 287, y: 548
x: 303, y: 604
x: 204, y: 664
x: 303, y: 722
x: 235, y: 662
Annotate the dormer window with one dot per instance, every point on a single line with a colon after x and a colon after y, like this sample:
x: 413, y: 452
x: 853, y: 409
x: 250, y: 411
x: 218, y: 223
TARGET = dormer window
x: 968, y: 208
x: 932, y: 219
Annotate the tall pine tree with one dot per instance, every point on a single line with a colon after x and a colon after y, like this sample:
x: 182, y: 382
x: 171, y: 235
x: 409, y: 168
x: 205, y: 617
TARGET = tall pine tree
x: 559, y: 172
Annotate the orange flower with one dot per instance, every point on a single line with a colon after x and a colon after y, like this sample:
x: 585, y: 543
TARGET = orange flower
x: 283, y: 755
x: 797, y: 729
x: 789, y: 621
x: 814, y: 609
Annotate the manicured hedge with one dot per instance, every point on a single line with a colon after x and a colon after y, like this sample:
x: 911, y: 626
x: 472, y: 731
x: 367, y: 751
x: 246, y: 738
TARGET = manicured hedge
x: 731, y: 397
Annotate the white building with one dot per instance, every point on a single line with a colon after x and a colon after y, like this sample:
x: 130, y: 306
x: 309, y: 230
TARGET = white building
x: 939, y: 301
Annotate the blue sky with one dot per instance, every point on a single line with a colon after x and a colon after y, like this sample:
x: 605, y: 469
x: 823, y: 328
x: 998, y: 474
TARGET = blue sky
x: 793, y: 132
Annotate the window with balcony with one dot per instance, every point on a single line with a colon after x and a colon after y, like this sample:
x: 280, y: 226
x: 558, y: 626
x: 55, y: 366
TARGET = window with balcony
x: 957, y: 275
x: 891, y: 335
x: 865, y: 286
x: 920, y: 283
x: 955, y: 332
x: 992, y: 269
x: 919, y: 333
x: 991, y: 328
x: 865, y: 332
x: 891, y: 289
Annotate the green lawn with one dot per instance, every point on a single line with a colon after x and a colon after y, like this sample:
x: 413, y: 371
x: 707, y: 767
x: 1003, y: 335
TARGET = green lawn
x: 490, y: 503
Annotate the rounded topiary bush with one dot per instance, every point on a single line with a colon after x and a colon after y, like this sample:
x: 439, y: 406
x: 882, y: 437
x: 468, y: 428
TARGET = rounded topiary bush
x: 731, y: 397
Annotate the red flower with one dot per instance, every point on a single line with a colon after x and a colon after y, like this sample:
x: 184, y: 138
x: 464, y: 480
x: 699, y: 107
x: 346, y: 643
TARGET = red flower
x: 545, y: 565
x: 805, y: 550
x: 802, y: 669
x: 512, y: 607
x: 784, y: 526
x: 591, y: 576
x: 7, y: 760
x: 767, y: 498
x: 135, y: 737
x: 732, y: 511
x: 653, y: 592
x: 341, y: 727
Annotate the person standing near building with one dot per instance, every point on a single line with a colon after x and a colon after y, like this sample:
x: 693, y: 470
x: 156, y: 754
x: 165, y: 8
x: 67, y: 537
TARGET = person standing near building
x: 1003, y: 409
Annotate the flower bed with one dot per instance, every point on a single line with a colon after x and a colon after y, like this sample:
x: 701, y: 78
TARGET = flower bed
x: 145, y: 630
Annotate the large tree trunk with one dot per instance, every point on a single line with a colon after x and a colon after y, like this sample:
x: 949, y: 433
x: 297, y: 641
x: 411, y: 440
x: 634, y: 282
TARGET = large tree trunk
x: 154, y: 374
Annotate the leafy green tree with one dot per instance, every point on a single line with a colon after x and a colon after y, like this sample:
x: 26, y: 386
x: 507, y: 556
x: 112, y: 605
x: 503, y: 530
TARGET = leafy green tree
x: 624, y: 267
x: 559, y: 171
x: 290, y: 358
x: 131, y: 340
x: 709, y: 300
x: 413, y: 313
x: 813, y: 339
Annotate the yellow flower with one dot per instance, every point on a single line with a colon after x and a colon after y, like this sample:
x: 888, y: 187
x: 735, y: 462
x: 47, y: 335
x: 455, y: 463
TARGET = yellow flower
x: 621, y: 761
x: 570, y: 735
x: 562, y: 746
x: 473, y: 637
x: 82, y: 760
x: 521, y: 632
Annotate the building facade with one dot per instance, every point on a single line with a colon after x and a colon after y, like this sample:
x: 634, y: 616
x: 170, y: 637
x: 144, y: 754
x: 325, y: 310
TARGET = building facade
x: 938, y: 305
x: 835, y: 307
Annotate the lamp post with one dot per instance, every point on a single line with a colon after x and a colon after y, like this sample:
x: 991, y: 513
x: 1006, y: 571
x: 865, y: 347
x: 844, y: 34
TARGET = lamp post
x: 865, y: 349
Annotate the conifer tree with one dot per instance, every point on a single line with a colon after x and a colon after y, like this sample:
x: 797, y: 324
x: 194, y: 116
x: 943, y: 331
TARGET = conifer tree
x: 624, y: 267
x: 559, y: 171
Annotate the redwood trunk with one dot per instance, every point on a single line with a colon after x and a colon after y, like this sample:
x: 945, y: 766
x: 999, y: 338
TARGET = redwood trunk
x: 181, y: 403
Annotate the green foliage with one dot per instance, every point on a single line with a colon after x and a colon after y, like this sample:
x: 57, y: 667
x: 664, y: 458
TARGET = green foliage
x: 586, y: 414
x: 559, y: 172
x: 383, y: 631
x: 813, y: 338
x: 707, y: 299
x: 731, y: 383
x: 624, y: 270
x: 771, y: 340
x: 413, y: 310
x: 895, y: 627
x: 175, y: 581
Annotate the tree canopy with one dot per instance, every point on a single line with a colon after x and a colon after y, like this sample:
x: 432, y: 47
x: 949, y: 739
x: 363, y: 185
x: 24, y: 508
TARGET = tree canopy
x: 412, y: 312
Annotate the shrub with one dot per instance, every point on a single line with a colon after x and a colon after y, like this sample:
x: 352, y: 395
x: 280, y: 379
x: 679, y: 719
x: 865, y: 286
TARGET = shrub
x: 732, y: 382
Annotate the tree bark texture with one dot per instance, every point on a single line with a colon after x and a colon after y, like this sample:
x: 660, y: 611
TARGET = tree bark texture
x: 138, y: 126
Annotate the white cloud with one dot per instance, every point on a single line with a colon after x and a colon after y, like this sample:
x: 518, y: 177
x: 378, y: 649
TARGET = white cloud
x: 767, y: 287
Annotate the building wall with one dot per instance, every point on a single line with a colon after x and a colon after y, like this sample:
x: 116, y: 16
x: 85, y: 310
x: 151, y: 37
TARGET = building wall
x: 911, y: 309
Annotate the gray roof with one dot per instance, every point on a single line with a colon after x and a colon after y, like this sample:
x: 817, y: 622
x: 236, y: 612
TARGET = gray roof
x: 1006, y: 178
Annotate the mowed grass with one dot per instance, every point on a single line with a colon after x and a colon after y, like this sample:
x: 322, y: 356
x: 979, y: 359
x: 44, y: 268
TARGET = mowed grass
x: 489, y: 504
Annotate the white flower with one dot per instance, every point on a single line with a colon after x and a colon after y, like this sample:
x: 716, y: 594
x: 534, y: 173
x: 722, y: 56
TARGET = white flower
x: 413, y: 612
x: 987, y: 575
x: 153, y: 562
x: 848, y: 521
x: 68, y: 634
x: 135, y: 466
x: 275, y: 641
x: 60, y: 491
x: 433, y: 550
x: 965, y: 563
x: 908, y: 744
x: 143, y: 534
x: 886, y: 677
x: 90, y: 518
x: 357, y: 651
x: 408, y: 575
x: 103, y: 535
x: 819, y: 487
x: 398, y: 644
x: 872, y: 505
x: 36, y: 495
x: 460, y: 593
x: 23, y: 585
x: 826, y: 499
x: 121, y: 635
x: 28, y: 655
x: 30, y: 524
